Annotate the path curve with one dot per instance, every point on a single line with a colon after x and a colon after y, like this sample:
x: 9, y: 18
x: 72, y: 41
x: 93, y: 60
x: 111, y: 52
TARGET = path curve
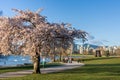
x: 43, y: 70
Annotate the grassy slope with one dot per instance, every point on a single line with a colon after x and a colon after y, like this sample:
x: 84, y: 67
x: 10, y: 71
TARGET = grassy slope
x: 99, y: 69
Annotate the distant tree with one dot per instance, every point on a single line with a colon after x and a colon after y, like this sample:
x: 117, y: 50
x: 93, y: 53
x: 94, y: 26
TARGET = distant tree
x: 29, y: 33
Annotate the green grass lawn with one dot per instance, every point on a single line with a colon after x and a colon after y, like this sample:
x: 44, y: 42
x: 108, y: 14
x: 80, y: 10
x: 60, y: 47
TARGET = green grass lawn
x: 97, y: 69
x: 82, y: 55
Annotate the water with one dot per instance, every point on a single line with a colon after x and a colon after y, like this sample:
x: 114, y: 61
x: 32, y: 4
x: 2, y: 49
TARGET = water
x: 14, y: 60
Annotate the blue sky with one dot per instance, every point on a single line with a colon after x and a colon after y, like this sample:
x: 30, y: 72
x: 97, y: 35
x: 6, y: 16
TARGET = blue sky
x: 100, y: 18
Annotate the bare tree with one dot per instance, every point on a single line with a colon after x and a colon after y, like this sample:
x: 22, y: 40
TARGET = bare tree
x: 29, y: 33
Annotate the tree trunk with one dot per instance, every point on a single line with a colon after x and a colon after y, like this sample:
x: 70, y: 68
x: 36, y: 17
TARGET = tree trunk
x: 36, y: 64
x: 60, y: 57
x: 54, y: 58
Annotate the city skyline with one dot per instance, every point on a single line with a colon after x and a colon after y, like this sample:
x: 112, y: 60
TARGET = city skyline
x: 100, y: 18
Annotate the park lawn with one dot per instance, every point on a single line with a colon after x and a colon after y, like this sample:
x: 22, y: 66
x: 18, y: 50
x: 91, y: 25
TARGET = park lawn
x: 82, y: 56
x: 26, y: 67
x: 99, y: 69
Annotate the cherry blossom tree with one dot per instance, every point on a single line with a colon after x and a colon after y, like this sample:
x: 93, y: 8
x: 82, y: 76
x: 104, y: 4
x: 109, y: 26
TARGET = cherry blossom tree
x: 29, y: 33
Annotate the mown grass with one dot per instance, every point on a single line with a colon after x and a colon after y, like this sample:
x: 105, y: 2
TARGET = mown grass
x: 97, y: 69
x: 27, y: 67
x: 77, y: 56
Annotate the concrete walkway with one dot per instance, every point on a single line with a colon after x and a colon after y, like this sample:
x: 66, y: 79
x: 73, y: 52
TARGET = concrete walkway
x: 43, y: 70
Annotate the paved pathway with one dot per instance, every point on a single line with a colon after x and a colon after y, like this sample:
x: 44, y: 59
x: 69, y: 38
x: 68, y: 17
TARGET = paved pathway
x: 43, y: 70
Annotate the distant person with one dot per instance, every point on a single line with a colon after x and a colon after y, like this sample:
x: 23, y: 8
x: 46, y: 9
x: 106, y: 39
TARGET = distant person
x: 107, y: 53
x: 66, y: 59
